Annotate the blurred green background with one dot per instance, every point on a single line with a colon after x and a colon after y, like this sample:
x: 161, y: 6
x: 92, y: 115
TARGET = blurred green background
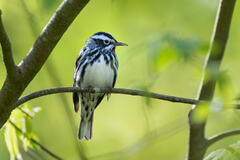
x: 168, y: 41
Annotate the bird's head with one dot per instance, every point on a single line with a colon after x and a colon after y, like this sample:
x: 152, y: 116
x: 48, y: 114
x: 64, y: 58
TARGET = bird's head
x: 103, y: 40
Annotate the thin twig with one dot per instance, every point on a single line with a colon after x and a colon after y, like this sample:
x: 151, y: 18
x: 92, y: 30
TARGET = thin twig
x: 26, y: 113
x: 35, y: 142
x: 103, y: 90
x: 30, y: 19
x: 220, y: 136
x: 6, y: 51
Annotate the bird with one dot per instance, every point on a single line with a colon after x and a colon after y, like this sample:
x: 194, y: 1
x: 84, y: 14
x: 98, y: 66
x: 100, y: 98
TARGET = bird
x: 96, y: 67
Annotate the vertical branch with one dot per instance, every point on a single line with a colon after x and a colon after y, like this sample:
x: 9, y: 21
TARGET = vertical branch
x: 7, y: 51
x: 197, y: 140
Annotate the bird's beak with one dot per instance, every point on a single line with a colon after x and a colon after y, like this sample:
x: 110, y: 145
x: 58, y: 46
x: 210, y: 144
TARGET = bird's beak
x: 120, y: 44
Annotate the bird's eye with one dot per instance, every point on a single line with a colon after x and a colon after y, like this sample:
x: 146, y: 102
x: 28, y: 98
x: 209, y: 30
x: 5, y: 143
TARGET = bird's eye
x: 106, y: 42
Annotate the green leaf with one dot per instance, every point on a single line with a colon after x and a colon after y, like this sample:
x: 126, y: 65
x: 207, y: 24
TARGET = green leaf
x: 185, y: 48
x: 166, y: 49
x: 231, y: 152
x: 161, y: 55
x: 12, y: 142
x: 225, y: 86
x: 166, y: 58
x: 201, y: 113
x: 23, y: 122
x: 48, y: 4
x: 31, y: 111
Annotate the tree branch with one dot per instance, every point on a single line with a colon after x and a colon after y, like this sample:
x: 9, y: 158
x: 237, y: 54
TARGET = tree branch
x: 35, y: 142
x: 56, y: 79
x: 7, y: 51
x: 197, y: 140
x: 103, y: 90
x: 26, y: 113
x: 220, y: 136
x: 38, y: 55
x: 49, y: 37
x: 132, y: 92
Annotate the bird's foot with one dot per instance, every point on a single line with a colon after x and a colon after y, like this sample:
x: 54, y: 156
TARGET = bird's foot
x: 89, y: 90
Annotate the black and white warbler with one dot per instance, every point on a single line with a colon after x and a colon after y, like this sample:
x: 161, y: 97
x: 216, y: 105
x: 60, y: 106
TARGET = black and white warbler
x: 96, y: 66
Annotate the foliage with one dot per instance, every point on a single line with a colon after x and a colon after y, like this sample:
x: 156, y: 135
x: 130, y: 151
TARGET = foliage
x: 13, y: 135
x: 169, y: 49
x: 232, y: 152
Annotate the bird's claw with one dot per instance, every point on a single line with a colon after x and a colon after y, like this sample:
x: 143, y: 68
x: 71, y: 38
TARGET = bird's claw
x: 89, y: 90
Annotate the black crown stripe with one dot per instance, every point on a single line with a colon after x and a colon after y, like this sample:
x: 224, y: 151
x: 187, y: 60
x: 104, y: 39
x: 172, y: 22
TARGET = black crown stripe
x: 105, y: 34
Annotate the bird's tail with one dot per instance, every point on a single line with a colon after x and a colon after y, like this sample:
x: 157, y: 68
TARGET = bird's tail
x: 85, y: 129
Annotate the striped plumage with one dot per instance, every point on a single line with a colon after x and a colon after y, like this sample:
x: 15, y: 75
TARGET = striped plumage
x: 96, y: 66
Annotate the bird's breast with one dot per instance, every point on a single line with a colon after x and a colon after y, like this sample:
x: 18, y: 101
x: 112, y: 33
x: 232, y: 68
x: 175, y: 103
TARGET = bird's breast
x: 98, y: 74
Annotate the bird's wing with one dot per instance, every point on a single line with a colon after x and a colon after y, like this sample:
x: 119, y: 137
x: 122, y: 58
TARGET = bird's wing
x: 77, y: 65
x: 115, y: 70
x: 75, y: 94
